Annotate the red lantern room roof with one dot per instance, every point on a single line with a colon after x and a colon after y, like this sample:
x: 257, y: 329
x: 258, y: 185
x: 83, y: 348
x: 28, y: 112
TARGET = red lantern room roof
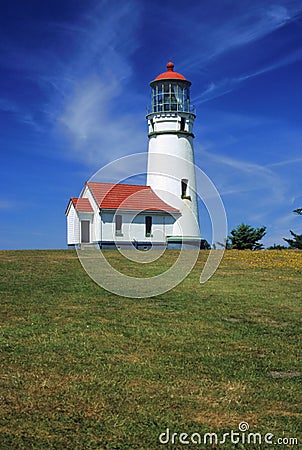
x: 170, y: 74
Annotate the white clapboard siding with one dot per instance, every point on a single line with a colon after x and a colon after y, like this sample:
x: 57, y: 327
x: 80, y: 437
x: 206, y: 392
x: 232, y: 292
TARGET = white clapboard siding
x: 133, y: 228
x: 96, y: 220
x: 73, y: 227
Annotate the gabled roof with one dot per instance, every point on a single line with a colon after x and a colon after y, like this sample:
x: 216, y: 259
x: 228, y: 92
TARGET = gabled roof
x: 81, y: 204
x: 127, y: 197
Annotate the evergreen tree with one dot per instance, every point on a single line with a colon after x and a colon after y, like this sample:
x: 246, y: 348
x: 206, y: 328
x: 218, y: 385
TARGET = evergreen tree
x: 277, y: 247
x: 245, y: 237
x: 296, y: 242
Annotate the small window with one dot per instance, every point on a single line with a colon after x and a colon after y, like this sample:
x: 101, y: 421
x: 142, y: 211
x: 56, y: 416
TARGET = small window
x: 152, y: 125
x: 118, y: 225
x: 182, y: 124
x: 184, y: 189
x: 148, y: 226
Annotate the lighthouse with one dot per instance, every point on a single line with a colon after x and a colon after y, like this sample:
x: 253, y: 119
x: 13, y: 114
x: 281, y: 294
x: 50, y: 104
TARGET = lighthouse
x: 171, y: 170
x: 162, y: 213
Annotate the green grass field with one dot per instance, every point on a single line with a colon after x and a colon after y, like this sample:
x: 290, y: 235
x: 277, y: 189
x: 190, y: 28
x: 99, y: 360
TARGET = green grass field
x: 84, y: 369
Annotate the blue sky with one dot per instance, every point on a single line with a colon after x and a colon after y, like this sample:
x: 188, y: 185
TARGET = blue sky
x: 74, y: 80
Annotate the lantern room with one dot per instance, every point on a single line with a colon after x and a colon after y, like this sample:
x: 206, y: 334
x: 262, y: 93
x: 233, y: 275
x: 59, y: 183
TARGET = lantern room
x: 170, y: 92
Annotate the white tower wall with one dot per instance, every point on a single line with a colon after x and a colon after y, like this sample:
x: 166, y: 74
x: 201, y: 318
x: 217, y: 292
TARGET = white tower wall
x: 171, y: 160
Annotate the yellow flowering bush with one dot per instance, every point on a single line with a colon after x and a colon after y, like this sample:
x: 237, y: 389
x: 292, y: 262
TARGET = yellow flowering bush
x: 265, y: 259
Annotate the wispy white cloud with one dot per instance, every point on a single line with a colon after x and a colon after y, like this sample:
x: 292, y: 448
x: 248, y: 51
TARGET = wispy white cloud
x: 247, y: 24
x: 93, y: 111
x: 19, y: 112
x: 77, y: 87
x: 281, y: 227
x: 242, y: 25
x: 226, y: 85
x: 254, y: 193
x: 98, y: 134
x: 235, y: 178
x: 286, y: 162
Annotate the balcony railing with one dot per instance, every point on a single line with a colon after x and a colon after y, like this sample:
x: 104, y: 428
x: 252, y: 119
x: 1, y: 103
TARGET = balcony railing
x: 171, y: 107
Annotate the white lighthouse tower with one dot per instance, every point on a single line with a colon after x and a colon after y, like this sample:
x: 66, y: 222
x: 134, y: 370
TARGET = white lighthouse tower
x: 171, y: 171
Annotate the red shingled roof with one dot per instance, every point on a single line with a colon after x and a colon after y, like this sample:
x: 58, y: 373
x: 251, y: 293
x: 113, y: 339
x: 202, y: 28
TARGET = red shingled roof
x: 127, y: 197
x: 81, y: 204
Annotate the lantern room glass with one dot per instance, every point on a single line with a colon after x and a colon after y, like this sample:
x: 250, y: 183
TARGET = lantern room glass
x: 167, y: 96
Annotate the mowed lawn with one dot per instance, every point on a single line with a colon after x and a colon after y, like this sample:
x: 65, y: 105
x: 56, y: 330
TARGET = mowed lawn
x: 85, y: 369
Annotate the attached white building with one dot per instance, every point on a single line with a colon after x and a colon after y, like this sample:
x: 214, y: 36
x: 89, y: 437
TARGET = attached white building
x: 114, y: 215
x: 166, y: 210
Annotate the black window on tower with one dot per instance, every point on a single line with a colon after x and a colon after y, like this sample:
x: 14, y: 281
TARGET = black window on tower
x: 182, y: 124
x: 148, y: 226
x: 184, y: 189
